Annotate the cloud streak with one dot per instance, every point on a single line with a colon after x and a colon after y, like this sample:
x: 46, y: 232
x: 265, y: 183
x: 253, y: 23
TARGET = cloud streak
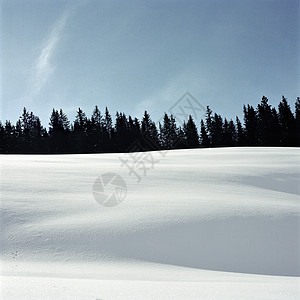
x: 43, y: 67
x: 192, y: 79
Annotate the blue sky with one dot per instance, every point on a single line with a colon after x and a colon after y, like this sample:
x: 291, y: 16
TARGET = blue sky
x: 144, y: 55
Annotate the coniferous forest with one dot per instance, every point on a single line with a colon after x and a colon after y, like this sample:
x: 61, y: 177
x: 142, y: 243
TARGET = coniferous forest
x: 261, y: 126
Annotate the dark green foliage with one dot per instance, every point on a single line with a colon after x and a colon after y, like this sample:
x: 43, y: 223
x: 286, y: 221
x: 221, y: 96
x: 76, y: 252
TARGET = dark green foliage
x: 190, y: 134
x: 263, y: 126
x: 59, y: 132
x: 208, y: 120
x: 287, y: 123
x: 217, y: 131
x: 205, y: 141
x: 95, y: 132
x: 267, y: 124
x: 297, y: 118
x: 250, y: 126
x: 240, y: 133
x: 229, y: 134
x: 149, y: 132
x: 168, y: 132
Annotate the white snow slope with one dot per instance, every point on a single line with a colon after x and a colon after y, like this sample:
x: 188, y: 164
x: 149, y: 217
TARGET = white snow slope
x: 201, y: 224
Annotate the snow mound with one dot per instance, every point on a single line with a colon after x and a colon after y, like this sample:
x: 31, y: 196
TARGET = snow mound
x: 190, y: 214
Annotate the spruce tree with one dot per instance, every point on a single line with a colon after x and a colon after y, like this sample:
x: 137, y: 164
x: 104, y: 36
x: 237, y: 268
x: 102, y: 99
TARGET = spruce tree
x: 240, y: 133
x: 94, y: 131
x: 59, y: 133
x: 208, y: 120
x: 228, y: 138
x: 191, y: 133
x: 232, y: 133
x: 287, y: 123
x: 168, y: 132
x: 250, y: 123
x: 217, y: 130
x: 205, y: 142
x: 79, y: 135
x: 107, y: 131
x: 297, y: 118
x: 265, y: 123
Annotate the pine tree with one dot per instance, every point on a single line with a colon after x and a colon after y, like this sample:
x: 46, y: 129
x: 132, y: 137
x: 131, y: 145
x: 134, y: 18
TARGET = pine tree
x: 274, y: 129
x: 8, y: 139
x: 191, y: 133
x: 262, y: 126
x: 265, y: 123
x: 173, y: 133
x: 31, y: 131
x: 35, y: 133
x: 240, y: 133
x: 287, y: 123
x: 153, y: 134
x: 25, y: 122
x: 96, y: 118
x: 205, y: 142
x: 120, y: 140
x: 2, y: 139
x: 181, y: 137
x: 19, y: 137
x: 94, y: 132
x: 217, y: 130
x: 107, y: 125
x: 228, y: 133
x: 232, y: 133
x: 150, y: 139
x: 54, y: 123
x: 80, y: 123
x: 134, y: 133
x: 208, y: 120
x: 79, y: 135
x: 168, y: 132
x: 63, y: 121
x: 59, y: 133
x: 250, y: 123
x: 146, y: 121
x: 297, y: 118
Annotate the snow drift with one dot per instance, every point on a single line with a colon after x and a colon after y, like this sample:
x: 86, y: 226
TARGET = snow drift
x: 192, y: 213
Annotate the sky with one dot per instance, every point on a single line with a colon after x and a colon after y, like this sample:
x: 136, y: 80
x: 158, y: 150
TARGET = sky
x: 133, y: 56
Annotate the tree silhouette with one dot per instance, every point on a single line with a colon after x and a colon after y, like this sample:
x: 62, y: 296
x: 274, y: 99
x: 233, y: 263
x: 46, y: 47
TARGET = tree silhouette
x: 135, y: 135
x: 107, y: 131
x: 229, y: 134
x: 150, y: 140
x: 31, y: 131
x: 191, y: 133
x: 121, y: 138
x: 205, y: 142
x: 59, y: 132
x: 287, y: 123
x: 297, y: 118
x: 208, y: 120
x: 250, y: 122
x: 79, y: 134
x: 240, y: 133
x: 263, y: 126
x: 267, y: 123
x: 168, y: 132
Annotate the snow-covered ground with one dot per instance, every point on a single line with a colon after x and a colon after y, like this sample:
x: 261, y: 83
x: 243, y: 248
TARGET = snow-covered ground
x: 201, y: 224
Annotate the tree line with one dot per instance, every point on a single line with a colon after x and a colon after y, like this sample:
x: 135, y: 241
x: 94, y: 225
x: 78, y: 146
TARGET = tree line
x: 261, y: 126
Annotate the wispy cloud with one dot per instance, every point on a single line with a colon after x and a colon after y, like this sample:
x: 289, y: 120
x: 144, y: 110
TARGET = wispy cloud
x: 43, y: 66
x: 190, y: 80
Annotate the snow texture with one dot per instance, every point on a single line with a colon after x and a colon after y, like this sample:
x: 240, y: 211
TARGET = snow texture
x: 201, y: 224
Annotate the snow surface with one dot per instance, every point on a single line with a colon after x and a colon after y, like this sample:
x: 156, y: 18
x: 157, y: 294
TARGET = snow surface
x: 202, y: 224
